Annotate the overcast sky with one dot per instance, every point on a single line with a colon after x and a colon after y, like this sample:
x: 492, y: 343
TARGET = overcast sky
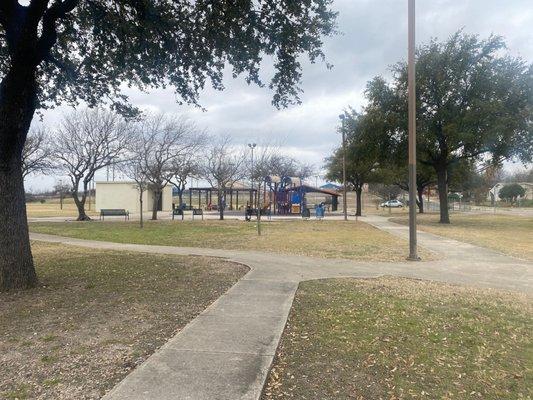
x: 373, y: 36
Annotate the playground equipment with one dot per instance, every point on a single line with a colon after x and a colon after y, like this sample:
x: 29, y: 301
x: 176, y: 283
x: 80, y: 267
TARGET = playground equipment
x: 287, y: 195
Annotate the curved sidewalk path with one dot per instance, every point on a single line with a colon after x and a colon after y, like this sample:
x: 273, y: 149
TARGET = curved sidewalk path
x: 225, y: 353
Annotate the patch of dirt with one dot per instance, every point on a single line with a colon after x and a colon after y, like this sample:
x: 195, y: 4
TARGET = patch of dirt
x: 97, y: 315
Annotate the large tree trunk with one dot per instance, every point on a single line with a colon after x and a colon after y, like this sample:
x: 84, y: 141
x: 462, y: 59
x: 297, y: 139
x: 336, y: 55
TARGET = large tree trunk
x: 80, y: 202
x: 80, y: 205
x: 16, y: 262
x: 358, y: 195
x: 157, y: 197
x: 141, y: 208
x: 420, y: 193
x: 17, y: 106
x: 442, y: 184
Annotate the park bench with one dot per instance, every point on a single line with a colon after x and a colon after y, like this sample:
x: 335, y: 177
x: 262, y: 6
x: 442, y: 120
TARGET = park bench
x: 178, y: 211
x: 252, y: 212
x: 114, y: 212
x: 197, y: 211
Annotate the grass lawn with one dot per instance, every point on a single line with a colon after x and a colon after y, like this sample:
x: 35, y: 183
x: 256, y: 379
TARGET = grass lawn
x: 52, y: 209
x: 392, y: 338
x: 96, y: 315
x: 331, y: 239
x: 509, y: 234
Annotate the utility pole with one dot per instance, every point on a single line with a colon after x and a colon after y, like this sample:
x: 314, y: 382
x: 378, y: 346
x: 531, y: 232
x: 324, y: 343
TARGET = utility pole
x: 413, y: 255
x: 252, y: 147
x: 344, y: 199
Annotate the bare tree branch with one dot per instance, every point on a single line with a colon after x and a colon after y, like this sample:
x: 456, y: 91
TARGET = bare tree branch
x: 223, y: 167
x: 161, y: 149
x: 86, y: 142
x: 37, y: 153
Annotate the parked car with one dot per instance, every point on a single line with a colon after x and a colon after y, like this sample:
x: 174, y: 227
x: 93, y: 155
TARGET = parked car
x: 392, y: 204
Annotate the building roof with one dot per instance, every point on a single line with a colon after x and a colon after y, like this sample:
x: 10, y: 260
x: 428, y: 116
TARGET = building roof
x: 312, y: 189
x: 116, y: 182
x: 331, y: 186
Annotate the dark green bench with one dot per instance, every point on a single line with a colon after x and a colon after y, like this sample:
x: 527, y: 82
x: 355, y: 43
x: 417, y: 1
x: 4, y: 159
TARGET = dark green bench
x: 178, y: 211
x: 197, y: 211
x: 114, y: 212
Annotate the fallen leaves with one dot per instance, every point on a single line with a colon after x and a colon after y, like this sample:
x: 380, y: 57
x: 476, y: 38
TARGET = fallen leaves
x: 392, y: 338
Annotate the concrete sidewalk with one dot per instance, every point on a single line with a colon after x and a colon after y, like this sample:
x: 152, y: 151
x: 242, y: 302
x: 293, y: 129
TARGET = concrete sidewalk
x: 225, y: 353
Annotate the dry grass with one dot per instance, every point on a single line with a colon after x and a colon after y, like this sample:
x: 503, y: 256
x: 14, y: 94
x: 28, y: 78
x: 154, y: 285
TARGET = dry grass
x: 509, y: 234
x: 392, y: 338
x: 96, y: 315
x: 329, y: 239
x: 52, y: 209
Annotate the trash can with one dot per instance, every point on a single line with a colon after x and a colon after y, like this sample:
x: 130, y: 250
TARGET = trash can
x: 319, y: 211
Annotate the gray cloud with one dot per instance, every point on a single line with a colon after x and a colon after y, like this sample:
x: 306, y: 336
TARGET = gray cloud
x: 374, y: 36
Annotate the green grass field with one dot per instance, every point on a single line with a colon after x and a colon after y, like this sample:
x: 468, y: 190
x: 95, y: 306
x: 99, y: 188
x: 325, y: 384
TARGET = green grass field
x: 329, y: 239
x: 392, y: 338
x: 509, y: 234
x: 96, y: 315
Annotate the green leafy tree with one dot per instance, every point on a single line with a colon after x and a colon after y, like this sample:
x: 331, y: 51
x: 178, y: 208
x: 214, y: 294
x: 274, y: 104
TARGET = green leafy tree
x: 473, y: 103
x: 425, y: 177
x: 392, y: 151
x: 362, y: 155
x: 69, y: 51
x: 512, y: 192
x: 394, y: 169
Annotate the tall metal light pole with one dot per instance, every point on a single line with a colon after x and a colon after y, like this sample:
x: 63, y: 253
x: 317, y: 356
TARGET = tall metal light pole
x: 252, y: 146
x: 413, y: 255
x: 344, y: 200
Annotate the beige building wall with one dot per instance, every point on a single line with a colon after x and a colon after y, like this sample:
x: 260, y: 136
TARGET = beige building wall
x: 126, y: 195
x: 166, y: 199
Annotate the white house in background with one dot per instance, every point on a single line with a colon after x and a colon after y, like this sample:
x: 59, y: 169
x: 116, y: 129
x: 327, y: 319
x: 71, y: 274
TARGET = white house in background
x: 126, y: 195
x: 496, y: 190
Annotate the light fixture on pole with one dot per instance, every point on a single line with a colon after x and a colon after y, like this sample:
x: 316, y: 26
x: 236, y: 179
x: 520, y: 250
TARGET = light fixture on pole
x: 412, y: 130
x: 344, y: 200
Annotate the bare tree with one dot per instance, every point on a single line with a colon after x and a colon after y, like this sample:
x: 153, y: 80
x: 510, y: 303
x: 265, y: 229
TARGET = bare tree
x: 223, y: 167
x: 61, y: 189
x: 162, y: 146
x: 271, y: 160
x: 133, y: 168
x: 37, y: 153
x: 189, y: 168
x: 86, y: 142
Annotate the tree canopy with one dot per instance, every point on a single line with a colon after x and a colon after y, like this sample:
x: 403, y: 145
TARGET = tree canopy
x: 88, y: 50
x: 69, y: 51
x: 474, y: 103
x: 511, y: 192
x: 362, y: 154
